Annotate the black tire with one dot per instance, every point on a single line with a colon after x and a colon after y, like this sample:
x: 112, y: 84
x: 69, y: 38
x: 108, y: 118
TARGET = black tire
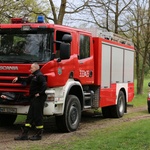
x: 7, y: 119
x: 118, y: 110
x: 106, y: 111
x: 70, y: 120
x: 148, y: 105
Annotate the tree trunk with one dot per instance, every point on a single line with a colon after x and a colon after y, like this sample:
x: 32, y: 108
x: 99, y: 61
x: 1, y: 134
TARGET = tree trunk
x: 61, y: 12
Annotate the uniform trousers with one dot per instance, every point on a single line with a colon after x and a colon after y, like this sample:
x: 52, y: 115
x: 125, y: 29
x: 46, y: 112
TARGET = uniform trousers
x: 35, y: 113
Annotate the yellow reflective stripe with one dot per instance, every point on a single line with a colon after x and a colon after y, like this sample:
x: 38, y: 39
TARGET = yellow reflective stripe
x: 27, y: 125
x: 39, y: 127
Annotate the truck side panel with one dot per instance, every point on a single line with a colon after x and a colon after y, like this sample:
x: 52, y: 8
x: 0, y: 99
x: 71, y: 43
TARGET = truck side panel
x: 117, y: 63
x: 114, y: 67
x: 129, y: 66
x: 106, y: 66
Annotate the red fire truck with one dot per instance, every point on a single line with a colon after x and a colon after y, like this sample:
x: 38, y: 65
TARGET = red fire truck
x: 82, y: 71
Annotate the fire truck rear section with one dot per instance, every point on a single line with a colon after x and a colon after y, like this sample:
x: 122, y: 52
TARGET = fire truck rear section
x: 83, y: 72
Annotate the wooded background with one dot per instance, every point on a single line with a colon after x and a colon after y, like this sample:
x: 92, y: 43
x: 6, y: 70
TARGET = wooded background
x: 129, y: 18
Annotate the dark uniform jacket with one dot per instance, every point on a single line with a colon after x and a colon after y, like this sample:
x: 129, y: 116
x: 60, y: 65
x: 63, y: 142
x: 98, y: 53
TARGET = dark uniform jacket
x: 37, y: 83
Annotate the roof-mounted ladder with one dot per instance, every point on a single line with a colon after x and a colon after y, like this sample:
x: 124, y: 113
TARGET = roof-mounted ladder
x: 115, y: 37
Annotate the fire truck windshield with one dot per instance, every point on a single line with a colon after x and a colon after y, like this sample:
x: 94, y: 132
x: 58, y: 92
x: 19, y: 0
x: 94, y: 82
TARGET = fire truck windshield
x: 25, y: 47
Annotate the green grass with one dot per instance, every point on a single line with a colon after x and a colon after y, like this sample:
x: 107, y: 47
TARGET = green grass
x: 20, y: 119
x: 127, y: 136
x: 140, y: 100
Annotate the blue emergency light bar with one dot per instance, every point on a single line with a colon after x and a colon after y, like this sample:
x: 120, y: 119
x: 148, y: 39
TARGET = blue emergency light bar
x: 40, y: 19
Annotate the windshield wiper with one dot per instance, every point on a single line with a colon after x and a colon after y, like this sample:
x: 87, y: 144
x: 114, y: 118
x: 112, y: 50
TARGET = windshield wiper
x: 30, y: 61
x: 6, y: 61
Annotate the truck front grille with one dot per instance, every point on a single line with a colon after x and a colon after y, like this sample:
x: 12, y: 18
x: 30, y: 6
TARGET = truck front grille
x: 6, y: 86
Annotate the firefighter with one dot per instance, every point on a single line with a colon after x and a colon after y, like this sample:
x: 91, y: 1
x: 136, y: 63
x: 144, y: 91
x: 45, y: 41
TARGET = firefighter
x: 37, y: 94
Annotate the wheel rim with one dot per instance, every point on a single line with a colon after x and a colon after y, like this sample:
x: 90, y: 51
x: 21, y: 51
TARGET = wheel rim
x: 73, y: 115
x: 121, y: 105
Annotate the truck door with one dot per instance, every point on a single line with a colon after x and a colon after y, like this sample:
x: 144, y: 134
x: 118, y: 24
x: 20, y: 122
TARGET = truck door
x: 85, y: 59
x: 63, y: 64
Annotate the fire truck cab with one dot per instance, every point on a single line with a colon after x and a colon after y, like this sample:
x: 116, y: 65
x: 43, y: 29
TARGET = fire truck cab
x: 82, y: 71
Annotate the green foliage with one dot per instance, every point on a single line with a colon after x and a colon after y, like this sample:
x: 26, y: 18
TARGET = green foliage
x: 140, y: 100
x: 36, y: 8
x: 147, y: 72
x: 23, y: 8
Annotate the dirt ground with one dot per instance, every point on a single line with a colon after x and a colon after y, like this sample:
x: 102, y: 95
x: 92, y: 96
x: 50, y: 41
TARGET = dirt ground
x: 90, y: 121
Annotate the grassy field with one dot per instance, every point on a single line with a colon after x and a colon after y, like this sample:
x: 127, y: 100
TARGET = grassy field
x: 140, y: 99
x: 127, y: 136
x: 132, y: 135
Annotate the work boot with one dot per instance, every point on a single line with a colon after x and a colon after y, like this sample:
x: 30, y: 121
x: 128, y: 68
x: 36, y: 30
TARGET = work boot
x: 37, y: 136
x: 24, y: 134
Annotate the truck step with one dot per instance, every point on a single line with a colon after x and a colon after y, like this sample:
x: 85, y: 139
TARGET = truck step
x: 87, y: 107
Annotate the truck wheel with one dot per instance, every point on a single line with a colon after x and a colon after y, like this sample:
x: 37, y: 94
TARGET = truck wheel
x: 148, y: 105
x: 106, y: 111
x: 119, y: 109
x: 70, y: 120
x: 7, y: 119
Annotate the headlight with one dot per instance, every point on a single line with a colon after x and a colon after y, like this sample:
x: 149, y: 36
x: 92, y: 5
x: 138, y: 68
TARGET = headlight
x: 50, y: 95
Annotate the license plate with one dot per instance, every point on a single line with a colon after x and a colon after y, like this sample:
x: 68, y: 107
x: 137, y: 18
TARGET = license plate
x: 8, y: 110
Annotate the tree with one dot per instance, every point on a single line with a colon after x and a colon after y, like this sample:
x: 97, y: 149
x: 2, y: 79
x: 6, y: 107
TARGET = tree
x: 32, y: 8
x: 22, y: 8
x: 64, y: 9
x: 140, y: 30
x: 132, y: 21
x: 107, y: 15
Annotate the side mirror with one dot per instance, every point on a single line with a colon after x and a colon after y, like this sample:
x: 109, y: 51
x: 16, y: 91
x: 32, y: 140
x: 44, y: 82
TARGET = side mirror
x: 64, y: 51
x: 67, y: 38
x: 149, y: 84
x: 65, y: 46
